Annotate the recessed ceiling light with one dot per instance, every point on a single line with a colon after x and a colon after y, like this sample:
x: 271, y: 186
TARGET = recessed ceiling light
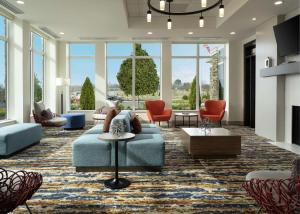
x: 61, y: 33
x: 254, y: 19
x: 190, y: 33
x: 232, y: 33
x: 278, y: 2
x: 149, y: 33
x: 20, y: 2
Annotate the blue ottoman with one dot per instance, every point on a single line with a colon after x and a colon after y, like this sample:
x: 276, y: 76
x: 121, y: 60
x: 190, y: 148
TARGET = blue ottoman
x: 16, y: 137
x: 75, y: 120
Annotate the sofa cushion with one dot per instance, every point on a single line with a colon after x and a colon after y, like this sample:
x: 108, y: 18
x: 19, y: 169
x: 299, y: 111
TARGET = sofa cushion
x: 90, y: 151
x: 136, y: 125
x: 47, y: 114
x: 124, y: 119
x: 110, y: 115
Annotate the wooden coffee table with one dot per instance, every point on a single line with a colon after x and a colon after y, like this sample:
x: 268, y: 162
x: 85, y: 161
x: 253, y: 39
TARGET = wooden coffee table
x: 217, y: 142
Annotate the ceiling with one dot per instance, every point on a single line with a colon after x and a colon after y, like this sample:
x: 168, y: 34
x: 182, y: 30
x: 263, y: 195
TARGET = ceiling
x: 125, y: 19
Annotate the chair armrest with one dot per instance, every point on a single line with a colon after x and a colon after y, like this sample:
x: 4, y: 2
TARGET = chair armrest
x: 168, y: 112
x: 203, y: 111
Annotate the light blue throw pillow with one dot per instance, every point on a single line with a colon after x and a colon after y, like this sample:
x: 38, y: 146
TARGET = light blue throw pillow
x: 124, y: 119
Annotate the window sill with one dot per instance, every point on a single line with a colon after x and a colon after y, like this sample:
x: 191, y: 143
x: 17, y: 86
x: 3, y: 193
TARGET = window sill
x: 7, y: 122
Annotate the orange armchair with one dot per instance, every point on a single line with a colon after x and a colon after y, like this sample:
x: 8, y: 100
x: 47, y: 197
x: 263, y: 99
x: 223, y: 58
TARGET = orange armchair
x: 156, y: 111
x: 214, y: 110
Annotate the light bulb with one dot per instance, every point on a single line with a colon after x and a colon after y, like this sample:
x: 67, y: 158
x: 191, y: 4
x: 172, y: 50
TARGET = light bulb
x: 169, y: 24
x: 201, y: 22
x: 149, y: 16
x: 162, y: 4
x: 221, y: 11
x: 203, y: 3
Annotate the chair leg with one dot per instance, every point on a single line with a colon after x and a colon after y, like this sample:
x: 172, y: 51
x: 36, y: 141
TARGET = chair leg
x: 168, y: 124
x: 159, y: 123
x: 29, y: 211
x: 220, y: 123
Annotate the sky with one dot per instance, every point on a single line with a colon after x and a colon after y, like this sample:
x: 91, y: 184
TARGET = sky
x: 2, y: 52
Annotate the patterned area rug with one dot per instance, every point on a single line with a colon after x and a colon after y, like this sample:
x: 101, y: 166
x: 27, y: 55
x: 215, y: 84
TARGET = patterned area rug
x: 185, y: 185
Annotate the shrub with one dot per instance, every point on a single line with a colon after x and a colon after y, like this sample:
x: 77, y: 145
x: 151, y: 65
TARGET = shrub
x: 87, y: 97
x: 192, y: 96
x: 185, y: 97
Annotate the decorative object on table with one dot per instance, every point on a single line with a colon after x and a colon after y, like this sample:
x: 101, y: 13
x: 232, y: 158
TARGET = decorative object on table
x: 169, y: 13
x: 62, y: 82
x: 117, y: 129
x: 40, y: 110
x: 16, y: 188
x: 214, y: 110
x: 205, y: 125
x: 111, y: 114
x: 183, y: 115
x: 116, y: 182
x: 268, y: 62
x: 156, y: 111
x: 275, y: 191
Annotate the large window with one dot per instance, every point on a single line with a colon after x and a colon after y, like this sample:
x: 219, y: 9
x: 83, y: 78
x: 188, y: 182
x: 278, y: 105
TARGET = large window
x: 197, y: 74
x: 3, y: 68
x: 82, y: 76
x: 133, y: 73
x: 37, y: 66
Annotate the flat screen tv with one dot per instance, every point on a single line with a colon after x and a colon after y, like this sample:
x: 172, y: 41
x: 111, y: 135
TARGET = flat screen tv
x: 288, y: 37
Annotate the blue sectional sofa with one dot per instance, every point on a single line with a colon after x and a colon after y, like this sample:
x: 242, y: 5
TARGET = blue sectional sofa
x: 16, y: 137
x: 146, y: 150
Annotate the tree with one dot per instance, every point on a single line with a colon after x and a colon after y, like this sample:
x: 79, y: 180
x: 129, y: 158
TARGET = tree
x: 87, y: 97
x: 38, y: 91
x: 146, y: 78
x: 193, y: 94
x: 177, y: 84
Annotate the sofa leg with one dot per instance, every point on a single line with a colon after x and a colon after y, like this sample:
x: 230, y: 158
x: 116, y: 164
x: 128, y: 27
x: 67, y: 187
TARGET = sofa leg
x: 29, y: 211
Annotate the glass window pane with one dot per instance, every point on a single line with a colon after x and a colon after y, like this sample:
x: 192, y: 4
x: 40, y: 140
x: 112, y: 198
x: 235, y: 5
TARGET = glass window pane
x: 119, y: 49
x: 147, y: 78
x: 3, y: 98
x: 38, y: 71
x: 119, y: 81
x: 38, y: 42
x: 80, y: 71
x: 77, y: 49
x: 211, y: 49
x: 149, y: 49
x: 184, y: 49
x: 2, y: 26
x: 211, y: 78
x: 183, y: 75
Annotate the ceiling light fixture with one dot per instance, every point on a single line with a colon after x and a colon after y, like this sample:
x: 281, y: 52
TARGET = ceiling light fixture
x: 62, y: 33
x: 20, y: 2
x: 190, y: 33
x: 169, y: 13
x: 149, y: 33
x: 149, y: 16
x: 278, y: 2
x: 201, y: 21
x: 232, y: 33
x: 254, y: 19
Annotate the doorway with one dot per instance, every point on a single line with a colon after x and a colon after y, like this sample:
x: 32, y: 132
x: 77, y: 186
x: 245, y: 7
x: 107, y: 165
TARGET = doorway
x: 249, y: 83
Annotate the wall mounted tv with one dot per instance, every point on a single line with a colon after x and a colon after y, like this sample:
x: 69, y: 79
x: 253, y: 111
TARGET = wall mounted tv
x: 288, y: 37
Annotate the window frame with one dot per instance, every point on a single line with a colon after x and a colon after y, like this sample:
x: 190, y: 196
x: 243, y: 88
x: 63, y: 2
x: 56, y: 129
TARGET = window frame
x: 43, y: 54
x: 198, y: 58
x: 134, y: 58
x: 6, y: 72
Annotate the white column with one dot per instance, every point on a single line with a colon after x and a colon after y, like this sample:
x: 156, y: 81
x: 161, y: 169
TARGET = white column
x: 166, y: 74
x: 100, y: 80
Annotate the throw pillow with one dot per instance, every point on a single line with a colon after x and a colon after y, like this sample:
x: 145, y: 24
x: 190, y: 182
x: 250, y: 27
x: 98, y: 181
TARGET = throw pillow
x: 47, y: 114
x: 296, y: 168
x: 38, y: 108
x: 110, y: 115
x: 136, y: 124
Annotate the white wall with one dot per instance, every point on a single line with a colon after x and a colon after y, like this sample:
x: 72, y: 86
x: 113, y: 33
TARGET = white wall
x: 292, y: 90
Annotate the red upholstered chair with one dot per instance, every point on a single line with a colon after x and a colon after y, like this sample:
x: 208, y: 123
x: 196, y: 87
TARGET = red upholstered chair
x: 156, y: 111
x: 214, y: 110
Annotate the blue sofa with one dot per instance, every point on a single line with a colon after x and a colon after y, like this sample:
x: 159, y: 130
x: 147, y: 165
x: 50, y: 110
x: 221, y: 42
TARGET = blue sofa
x: 146, y: 150
x: 16, y: 137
